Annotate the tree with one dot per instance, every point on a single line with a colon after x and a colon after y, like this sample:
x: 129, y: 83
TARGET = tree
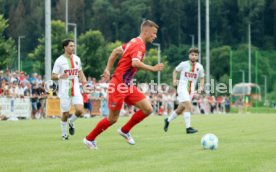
x: 26, y: 17
x: 251, y: 12
x: 106, y: 18
x: 151, y: 58
x: 219, y: 61
x: 35, y: 61
x: 7, y: 47
x: 176, y: 54
x: 92, y: 51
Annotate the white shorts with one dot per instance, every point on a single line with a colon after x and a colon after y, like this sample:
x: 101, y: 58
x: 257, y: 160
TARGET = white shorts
x: 65, y: 103
x: 184, y: 96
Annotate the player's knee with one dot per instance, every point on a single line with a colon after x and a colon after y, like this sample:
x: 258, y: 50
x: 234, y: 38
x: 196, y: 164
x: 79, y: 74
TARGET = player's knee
x: 178, y: 111
x: 148, y: 110
x: 78, y: 113
x: 112, y: 120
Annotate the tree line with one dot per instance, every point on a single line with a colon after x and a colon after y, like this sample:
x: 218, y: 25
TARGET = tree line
x: 105, y: 24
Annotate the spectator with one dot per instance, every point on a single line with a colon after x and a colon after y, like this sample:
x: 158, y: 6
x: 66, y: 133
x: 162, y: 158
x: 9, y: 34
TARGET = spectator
x: 34, y: 100
x: 14, y: 78
x: 39, y: 79
x: 42, y: 95
x: 7, y: 77
x: 1, y: 75
x: 227, y: 104
x: 33, y: 78
x: 85, y: 105
x: 239, y: 104
x: 104, y: 105
x: 28, y: 90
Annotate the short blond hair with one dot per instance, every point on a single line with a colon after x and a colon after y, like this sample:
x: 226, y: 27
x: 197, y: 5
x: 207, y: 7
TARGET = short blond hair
x: 149, y: 23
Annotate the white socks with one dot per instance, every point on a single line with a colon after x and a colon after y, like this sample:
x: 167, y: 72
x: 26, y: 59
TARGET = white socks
x: 73, y: 118
x: 63, y: 126
x: 172, y: 116
x: 187, y: 119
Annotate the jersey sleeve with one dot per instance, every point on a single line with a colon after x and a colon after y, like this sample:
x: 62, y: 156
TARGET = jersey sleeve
x: 138, y: 52
x: 56, y: 68
x: 80, y: 65
x: 201, y: 72
x: 179, y: 67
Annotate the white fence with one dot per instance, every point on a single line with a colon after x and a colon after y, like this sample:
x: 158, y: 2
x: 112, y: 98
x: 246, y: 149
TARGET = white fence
x: 16, y: 107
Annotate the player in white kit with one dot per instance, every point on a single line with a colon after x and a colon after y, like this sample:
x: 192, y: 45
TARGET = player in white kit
x: 190, y: 71
x: 67, y: 70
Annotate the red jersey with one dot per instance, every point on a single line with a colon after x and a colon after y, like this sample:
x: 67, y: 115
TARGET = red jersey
x: 85, y: 97
x: 133, y: 50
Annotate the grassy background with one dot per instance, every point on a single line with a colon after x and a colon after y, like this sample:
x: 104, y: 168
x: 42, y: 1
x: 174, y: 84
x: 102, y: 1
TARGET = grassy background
x: 247, y: 142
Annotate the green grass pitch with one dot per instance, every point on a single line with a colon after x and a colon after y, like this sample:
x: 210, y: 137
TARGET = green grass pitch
x: 247, y: 142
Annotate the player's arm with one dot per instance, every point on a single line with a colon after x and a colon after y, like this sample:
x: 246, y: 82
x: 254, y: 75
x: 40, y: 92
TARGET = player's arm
x: 55, y: 76
x: 201, y: 85
x: 140, y: 65
x: 56, y: 70
x: 58, y: 76
x: 113, y: 56
x: 111, y: 60
x: 82, y: 77
x: 175, y: 77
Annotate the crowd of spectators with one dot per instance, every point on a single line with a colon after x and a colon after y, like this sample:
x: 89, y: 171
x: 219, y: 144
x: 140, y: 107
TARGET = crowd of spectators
x: 20, y: 85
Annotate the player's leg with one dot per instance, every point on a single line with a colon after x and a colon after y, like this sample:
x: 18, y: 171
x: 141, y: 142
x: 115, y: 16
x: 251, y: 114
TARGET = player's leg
x: 63, y: 125
x: 115, y: 102
x: 145, y: 109
x: 64, y: 108
x: 183, y: 96
x: 77, y: 101
x: 72, y: 119
x: 138, y: 99
x: 102, y: 125
x: 173, y: 115
x: 187, y: 117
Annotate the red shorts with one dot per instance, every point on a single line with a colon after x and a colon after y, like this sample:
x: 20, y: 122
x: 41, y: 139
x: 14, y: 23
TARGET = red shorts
x: 118, y: 93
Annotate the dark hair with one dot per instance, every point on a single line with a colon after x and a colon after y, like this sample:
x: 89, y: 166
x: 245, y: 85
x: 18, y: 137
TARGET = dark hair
x: 66, y: 42
x: 149, y: 23
x: 193, y: 50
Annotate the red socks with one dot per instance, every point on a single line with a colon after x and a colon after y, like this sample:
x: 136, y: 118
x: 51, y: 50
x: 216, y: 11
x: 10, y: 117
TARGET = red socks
x: 104, y: 124
x: 135, y: 119
x: 101, y: 126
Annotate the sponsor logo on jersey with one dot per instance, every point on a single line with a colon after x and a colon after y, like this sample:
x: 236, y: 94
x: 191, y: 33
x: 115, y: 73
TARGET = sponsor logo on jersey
x: 72, y: 72
x: 190, y: 75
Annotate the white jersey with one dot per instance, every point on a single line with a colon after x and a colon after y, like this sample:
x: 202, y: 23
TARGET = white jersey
x: 189, y: 76
x: 68, y: 87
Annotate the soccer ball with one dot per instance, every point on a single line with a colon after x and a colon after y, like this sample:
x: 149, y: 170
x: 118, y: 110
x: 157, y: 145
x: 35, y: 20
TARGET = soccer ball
x: 209, y: 141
